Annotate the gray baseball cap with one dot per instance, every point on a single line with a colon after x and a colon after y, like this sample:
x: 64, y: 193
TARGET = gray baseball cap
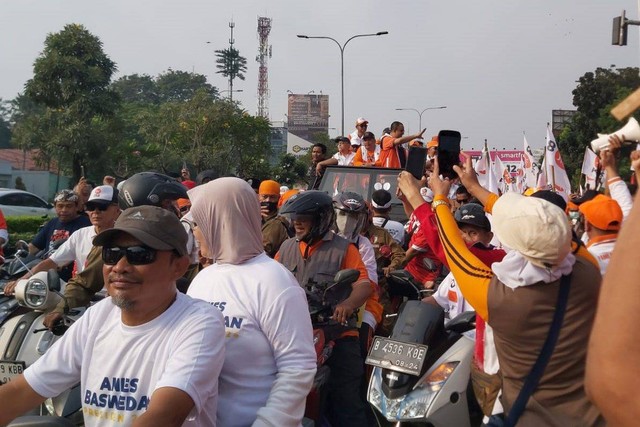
x: 153, y: 226
x: 473, y: 214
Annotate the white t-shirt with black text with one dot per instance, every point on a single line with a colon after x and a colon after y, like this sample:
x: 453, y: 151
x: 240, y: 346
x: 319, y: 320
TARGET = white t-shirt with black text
x: 119, y: 366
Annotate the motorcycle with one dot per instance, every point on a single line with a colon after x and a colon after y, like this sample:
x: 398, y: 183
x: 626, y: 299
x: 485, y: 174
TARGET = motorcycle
x: 322, y: 299
x: 421, y: 372
x: 24, y: 338
x: 15, y: 267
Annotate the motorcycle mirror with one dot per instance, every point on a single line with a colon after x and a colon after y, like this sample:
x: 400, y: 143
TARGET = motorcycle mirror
x: 349, y: 275
x: 21, y: 245
x: 53, y: 279
x: 463, y: 322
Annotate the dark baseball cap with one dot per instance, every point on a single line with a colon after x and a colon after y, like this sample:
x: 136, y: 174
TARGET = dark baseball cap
x: 342, y: 139
x: 473, y: 214
x: 155, y: 227
x: 381, y: 199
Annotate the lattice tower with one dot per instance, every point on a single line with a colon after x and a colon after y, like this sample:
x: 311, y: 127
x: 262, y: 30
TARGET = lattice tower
x: 264, y: 52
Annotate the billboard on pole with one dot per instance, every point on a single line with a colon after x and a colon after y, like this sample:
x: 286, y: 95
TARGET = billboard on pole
x: 308, y: 115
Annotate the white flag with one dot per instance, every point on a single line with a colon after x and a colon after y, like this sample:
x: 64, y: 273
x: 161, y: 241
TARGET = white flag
x: 556, y: 174
x: 502, y: 174
x: 530, y: 168
x: 590, y: 167
x: 483, y: 168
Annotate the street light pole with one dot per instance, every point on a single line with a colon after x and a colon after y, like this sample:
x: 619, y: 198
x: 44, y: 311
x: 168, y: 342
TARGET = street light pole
x: 420, y: 113
x: 342, y: 47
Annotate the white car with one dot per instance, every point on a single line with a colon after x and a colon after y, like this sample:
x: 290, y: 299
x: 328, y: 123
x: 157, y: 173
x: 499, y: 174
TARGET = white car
x: 22, y: 203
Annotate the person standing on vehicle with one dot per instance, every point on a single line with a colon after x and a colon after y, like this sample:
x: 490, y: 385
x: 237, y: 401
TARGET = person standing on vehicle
x: 356, y: 138
x: 67, y: 221
x: 517, y: 296
x: 270, y: 359
x: 315, y: 255
x: 393, y: 155
x: 275, y: 228
x: 144, y: 188
x: 155, y: 352
x: 344, y: 156
x: 369, y: 153
x: 103, y: 211
x: 318, y: 154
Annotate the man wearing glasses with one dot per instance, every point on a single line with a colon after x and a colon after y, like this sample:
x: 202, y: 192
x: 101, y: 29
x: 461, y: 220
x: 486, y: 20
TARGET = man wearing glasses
x: 148, y: 355
x: 356, y: 136
x: 103, y: 211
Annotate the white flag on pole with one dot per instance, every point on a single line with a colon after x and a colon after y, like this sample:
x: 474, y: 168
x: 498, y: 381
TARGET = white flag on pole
x: 486, y: 176
x: 530, y: 168
x: 502, y: 174
x: 590, y: 167
x: 556, y: 173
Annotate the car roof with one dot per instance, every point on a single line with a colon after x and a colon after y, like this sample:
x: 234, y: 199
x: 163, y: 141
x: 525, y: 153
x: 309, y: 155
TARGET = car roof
x: 16, y: 191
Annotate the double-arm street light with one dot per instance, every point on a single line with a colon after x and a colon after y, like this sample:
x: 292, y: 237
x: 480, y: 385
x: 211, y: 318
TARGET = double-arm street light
x: 342, y: 46
x: 420, y: 113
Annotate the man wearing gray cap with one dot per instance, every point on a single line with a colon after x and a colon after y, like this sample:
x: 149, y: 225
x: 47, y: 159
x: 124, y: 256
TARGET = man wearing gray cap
x: 148, y: 353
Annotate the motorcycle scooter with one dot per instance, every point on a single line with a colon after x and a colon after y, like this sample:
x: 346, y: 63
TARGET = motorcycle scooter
x: 421, y: 372
x: 322, y: 299
x: 24, y: 338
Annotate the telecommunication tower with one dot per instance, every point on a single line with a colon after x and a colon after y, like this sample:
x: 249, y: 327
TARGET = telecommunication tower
x: 264, y: 52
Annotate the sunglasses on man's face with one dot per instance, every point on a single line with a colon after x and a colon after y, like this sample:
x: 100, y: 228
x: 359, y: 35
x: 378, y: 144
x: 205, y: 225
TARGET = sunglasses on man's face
x: 91, y: 208
x: 136, y: 255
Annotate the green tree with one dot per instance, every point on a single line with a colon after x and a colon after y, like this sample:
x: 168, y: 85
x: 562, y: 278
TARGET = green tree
x: 231, y: 65
x: 290, y: 170
x: 5, y: 127
x: 182, y: 86
x: 71, y: 79
x: 135, y: 88
x: 594, y: 96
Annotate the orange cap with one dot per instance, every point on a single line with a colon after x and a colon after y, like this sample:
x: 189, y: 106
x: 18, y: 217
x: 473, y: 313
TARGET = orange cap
x: 602, y: 212
x: 183, y: 202
x: 433, y: 142
x: 286, y: 196
x: 416, y: 143
x: 269, y: 187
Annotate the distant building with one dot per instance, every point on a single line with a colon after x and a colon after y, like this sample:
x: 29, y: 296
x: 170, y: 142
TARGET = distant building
x: 308, y: 116
x: 279, y: 134
x: 41, y: 180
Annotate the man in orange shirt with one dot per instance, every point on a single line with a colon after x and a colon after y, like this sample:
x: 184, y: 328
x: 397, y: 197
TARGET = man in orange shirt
x: 369, y: 153
x: 393, y: 154
x: 315, y: 255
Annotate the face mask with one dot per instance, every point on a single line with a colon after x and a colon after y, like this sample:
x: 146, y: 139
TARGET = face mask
x: 348, y: 225
x: 270, y: 206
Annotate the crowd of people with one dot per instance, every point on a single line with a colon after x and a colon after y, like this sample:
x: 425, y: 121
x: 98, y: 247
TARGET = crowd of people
x: 206, y: 319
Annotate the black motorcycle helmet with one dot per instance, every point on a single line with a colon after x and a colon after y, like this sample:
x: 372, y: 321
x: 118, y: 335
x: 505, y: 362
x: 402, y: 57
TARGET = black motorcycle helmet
x: 150, y: 188
x: 352, y: 214
x: 314, y: 203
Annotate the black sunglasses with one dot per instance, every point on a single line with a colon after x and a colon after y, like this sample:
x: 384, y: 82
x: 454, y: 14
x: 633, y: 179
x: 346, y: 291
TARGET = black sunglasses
x: 136, y: 255
x: 91, y: 208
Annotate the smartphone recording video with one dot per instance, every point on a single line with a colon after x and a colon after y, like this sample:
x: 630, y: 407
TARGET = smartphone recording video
x: 448, y: 152
x: 416, y: 161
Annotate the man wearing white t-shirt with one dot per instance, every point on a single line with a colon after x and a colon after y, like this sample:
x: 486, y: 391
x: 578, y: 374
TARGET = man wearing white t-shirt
x: 147, y: 355
x: 344, y: 156
x: 103, y: 210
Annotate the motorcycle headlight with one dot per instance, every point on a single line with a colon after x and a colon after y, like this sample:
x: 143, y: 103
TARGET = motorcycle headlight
x: 438, y: 376
x: 374, y: 395
x: 35, y: 293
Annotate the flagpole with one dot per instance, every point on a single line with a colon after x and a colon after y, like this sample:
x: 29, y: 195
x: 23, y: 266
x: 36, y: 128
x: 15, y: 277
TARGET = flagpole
x: 553, y: 179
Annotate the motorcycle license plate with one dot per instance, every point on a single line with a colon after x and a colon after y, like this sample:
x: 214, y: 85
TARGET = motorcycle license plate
x: 397, y: 355
x: 9, y: 370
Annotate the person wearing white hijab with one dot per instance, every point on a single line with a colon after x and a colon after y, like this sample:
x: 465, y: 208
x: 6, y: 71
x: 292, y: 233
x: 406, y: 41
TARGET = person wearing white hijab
x: 270, y: 360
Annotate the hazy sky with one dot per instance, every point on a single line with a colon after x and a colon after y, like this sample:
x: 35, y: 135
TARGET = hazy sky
x: 500, y: 67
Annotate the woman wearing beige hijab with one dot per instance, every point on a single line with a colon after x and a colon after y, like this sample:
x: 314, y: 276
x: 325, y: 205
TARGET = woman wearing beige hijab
x: 270, y: 361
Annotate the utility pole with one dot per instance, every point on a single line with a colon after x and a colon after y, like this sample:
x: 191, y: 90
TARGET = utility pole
x: 229, y: 58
